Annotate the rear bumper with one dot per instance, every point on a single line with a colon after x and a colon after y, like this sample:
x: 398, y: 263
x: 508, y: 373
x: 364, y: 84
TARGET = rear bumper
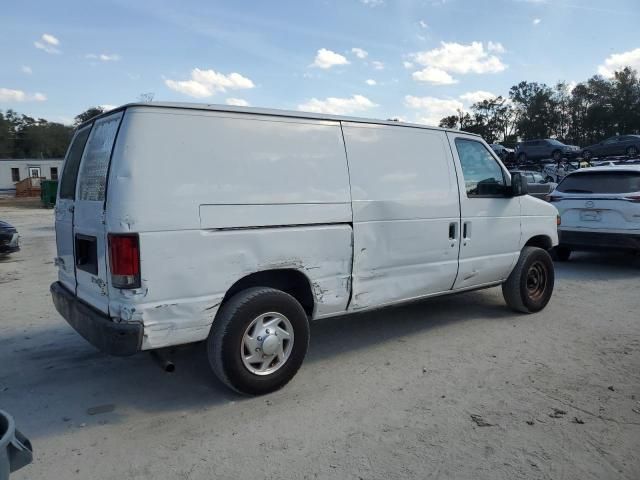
x: 599, y: 241
x: 120, y: 339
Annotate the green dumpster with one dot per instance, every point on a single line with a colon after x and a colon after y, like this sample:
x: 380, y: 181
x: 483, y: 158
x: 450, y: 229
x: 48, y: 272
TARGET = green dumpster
x: 48, y: 191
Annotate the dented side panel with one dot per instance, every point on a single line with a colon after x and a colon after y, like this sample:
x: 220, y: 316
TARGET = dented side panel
x: 405, y: 200
x: 185, y: 275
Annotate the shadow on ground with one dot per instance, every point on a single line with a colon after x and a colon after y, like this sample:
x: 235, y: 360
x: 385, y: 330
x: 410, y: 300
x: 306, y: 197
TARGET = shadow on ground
x: 51, y: 377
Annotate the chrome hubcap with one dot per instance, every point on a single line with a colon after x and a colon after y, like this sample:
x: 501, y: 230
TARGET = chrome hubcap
x: 267, y: 343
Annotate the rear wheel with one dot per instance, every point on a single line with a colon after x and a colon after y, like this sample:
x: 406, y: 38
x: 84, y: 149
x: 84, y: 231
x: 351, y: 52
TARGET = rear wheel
x: 632, y: 151
x: 258, y: 340
x: 530, y: 285
x: 561, y: 253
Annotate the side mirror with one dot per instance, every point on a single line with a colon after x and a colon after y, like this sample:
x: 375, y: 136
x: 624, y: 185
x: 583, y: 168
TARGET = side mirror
x: 519, y: 185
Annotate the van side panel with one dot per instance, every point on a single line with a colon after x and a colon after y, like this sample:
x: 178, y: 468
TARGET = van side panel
x: 187, y: 273
x: 169, y: 162
x: 405, y: 201
x: 216, y: 197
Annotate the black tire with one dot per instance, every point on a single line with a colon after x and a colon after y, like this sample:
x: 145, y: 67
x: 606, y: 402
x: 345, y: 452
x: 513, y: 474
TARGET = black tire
x: 549, y: 178
x: 530, y: 285
x: 226, y: 339
x: 522, y: 157
x: 632, y: 151
x: 561, y: 253
x: 556, y: 155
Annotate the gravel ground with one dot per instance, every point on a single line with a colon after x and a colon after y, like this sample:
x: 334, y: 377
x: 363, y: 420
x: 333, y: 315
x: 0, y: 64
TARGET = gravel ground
x: 455, y: 387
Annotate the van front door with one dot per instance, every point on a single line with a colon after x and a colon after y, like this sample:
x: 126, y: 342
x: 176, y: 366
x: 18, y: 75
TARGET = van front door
x: 65, y: 208
x: 490, y: 236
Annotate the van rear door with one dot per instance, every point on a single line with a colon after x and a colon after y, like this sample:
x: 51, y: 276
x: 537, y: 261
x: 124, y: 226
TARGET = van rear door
x: 65, y: 207
x: 89, y: 235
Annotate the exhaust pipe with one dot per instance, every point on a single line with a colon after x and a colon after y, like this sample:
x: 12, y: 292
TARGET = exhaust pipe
x: 161, y: 357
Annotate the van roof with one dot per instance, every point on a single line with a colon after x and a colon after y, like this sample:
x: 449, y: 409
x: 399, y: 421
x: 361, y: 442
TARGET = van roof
x: 273, y: 112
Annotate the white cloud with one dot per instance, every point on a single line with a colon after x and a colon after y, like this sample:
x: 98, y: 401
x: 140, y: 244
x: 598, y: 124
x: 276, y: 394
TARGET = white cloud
x: 360, y: 53
x: 371, y: 82
x: 477, y: 96
x: 48, y: 43
x: 26, y: 69
x: 377, y: 65
x: 536, y: 21
x: 104, y: 57
x: 327, y: 59
x: 434, y: 76
x: 407, y: 65
x: 617, y: 61
x: 423, y: 24
x: 431, y: 109
x: 236, y: 102
x: 338, y: 106
x: 495, y: 47
x: 571, y: 85
x: 107, y: 106
x: 205, y: 83
x: 460, y: 58
x: 372, y: 3
x: 11, y: 95
x: 50, y: 39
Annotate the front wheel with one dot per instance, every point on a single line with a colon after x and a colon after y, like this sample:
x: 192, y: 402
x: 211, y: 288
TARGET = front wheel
x: 258, y: 340
x: 530, y: 285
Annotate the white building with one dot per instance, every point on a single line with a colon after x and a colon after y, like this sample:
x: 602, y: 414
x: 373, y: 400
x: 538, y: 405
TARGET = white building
x: 12, y: 170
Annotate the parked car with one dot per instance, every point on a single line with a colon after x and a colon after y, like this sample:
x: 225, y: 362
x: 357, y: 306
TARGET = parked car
x: 537, y: 184
x: 554, y: 173
x: 505, y: 154
x: 9, y: 239
x: 162, y: 240
x: 599, y: 209
x: 545, y: 148
x: 619, y: 145
x: 603, y: 163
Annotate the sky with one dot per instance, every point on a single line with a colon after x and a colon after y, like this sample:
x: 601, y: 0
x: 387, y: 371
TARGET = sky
x: 417, y: 60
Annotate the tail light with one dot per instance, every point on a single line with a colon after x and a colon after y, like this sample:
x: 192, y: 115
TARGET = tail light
x: 558, y: 220
x: 124, y: 260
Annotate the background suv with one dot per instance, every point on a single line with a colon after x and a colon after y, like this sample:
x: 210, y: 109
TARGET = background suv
x: 618, y: 145
x: 599, y: 208
x: 545, y: 148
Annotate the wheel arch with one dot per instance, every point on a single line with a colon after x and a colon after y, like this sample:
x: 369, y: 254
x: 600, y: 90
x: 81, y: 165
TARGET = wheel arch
x: 540, y: 241
x: 289, y: 280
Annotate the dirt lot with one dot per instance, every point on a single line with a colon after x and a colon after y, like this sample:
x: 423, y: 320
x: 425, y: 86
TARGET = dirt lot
x: 456, y: 387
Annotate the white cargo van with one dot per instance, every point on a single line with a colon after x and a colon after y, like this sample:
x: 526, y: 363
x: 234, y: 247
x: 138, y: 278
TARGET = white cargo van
x: 178, y: 223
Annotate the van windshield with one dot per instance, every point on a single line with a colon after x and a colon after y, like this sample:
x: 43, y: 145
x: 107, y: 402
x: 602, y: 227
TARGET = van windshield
x: 601, y: 182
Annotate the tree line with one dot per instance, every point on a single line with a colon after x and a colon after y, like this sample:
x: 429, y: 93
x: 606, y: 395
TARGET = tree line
x: 22, y: 136
x: 585, y: 114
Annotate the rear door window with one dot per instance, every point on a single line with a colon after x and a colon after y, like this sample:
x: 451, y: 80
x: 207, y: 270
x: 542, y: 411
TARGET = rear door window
x: 95, y: 163
x: 601, y: 182
x: 72, y: 163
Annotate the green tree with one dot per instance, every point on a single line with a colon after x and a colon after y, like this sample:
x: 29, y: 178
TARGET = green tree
x: 88, y: 114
